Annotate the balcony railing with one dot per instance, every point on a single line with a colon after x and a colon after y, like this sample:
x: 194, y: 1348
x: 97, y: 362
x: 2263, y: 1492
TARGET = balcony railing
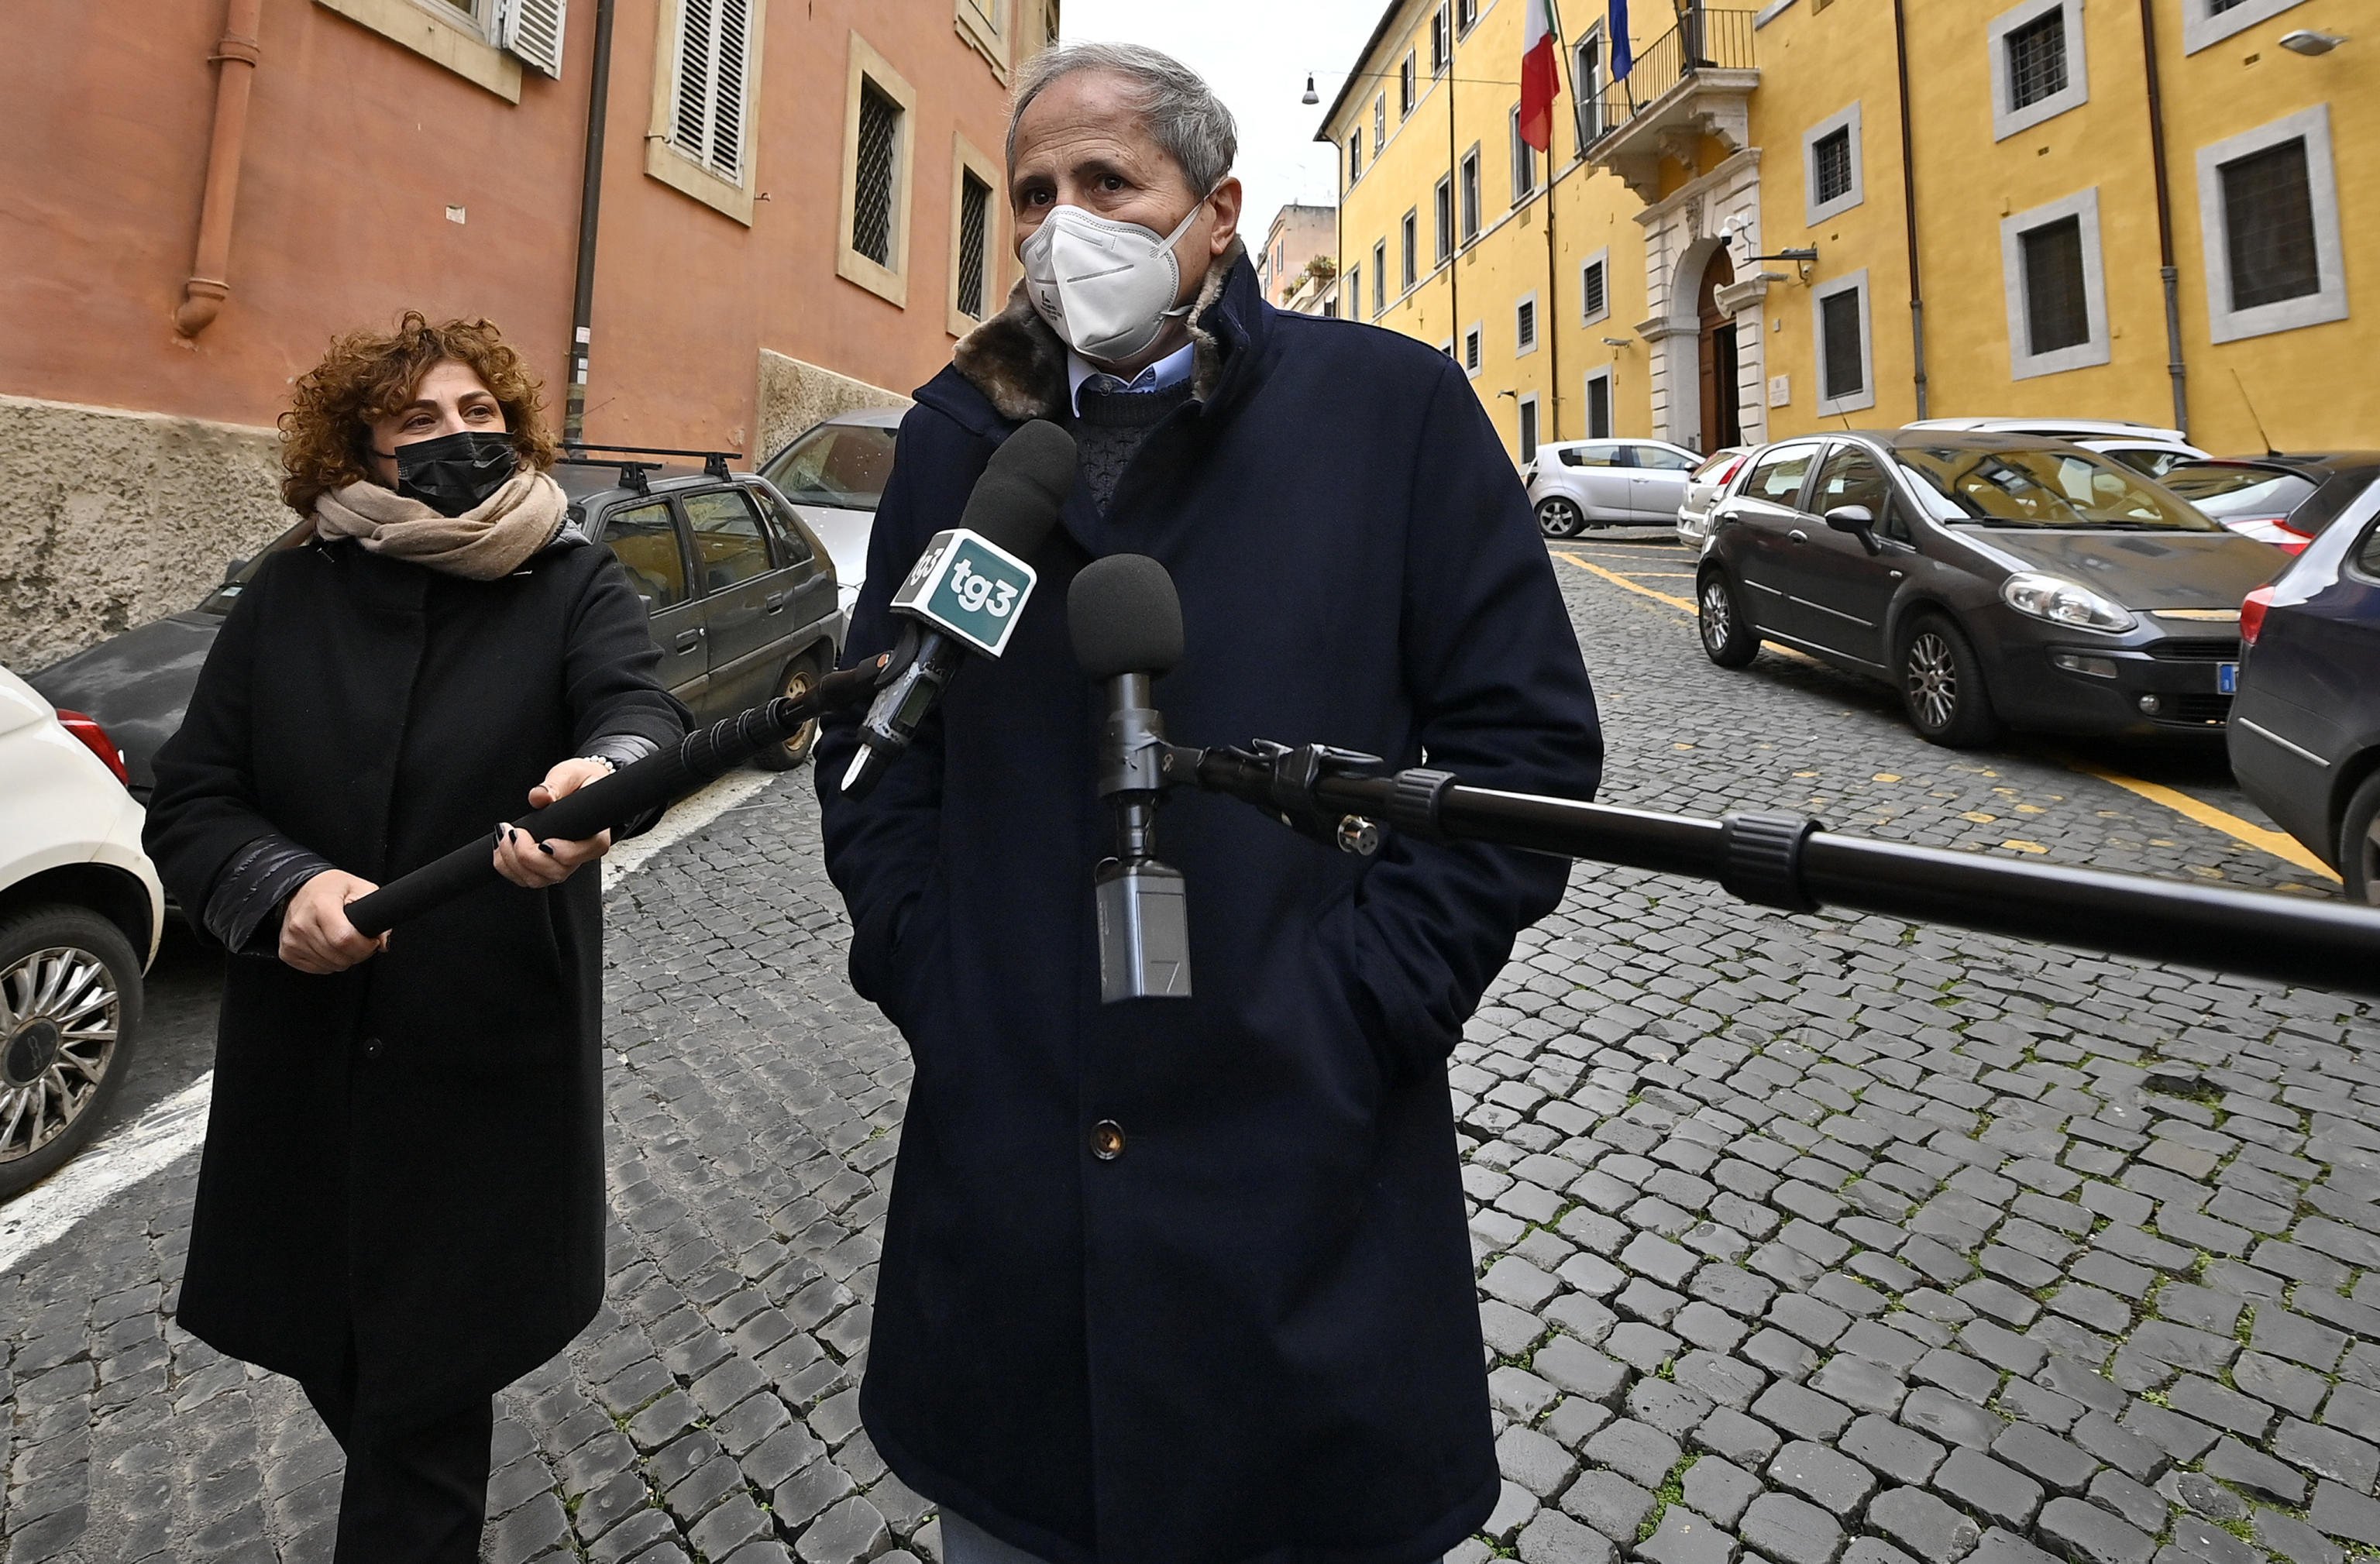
x: 1703, y: 39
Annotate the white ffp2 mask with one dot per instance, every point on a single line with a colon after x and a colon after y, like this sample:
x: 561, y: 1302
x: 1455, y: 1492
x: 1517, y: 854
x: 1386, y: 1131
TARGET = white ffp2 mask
x: 1107, y: 287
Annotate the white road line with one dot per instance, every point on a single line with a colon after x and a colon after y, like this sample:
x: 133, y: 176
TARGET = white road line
x: 178, y: 1126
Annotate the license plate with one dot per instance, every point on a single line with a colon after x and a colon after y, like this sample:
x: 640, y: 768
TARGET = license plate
x: 2226, y: 677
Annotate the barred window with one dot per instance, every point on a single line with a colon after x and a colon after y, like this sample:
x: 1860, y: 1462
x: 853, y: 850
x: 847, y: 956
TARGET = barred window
x: 871, y: 212
x: 974, y: 219
x: 1470, y: 351
x: 1524, y: 324
x: 1594, y: 291
x: 2036, y: 59
x: 714, y: 45
x: 2268, y: 226
x: 1839, y: 315
x: 2057, y: 312
x: 1832, y: 154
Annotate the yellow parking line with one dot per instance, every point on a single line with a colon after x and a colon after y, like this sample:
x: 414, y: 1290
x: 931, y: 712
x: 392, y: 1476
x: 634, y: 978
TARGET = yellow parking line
x: 1619, y: 580
x: 2278, y: 844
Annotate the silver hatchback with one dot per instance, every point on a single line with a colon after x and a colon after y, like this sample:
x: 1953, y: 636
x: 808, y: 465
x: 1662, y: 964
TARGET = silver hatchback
x: 1583, y: 483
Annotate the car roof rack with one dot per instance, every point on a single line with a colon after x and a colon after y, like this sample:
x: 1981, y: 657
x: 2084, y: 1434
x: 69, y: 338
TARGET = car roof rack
x: 632, y: 474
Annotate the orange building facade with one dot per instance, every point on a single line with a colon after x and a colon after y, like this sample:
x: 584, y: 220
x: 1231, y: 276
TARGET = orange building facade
x: 800, y: 207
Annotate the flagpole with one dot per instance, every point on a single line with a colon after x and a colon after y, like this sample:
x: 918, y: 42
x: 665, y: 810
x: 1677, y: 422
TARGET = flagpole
x: 1553, y: 262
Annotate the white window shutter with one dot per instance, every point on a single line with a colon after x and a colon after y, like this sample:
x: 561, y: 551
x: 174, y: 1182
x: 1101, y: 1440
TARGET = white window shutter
x: 532, y: 30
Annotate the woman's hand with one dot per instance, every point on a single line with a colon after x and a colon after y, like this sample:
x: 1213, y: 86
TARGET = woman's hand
x: 536, y: 864
x: 315, y: 934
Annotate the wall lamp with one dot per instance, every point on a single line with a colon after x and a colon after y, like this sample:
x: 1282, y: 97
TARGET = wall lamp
x: 2305, y: 41
x: 1618, y: 341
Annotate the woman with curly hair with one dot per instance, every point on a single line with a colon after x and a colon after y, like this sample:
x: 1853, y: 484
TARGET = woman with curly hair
x: 401, y: 1202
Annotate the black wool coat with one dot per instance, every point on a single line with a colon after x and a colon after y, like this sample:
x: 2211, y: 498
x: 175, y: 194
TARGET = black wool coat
x: 1253, y: 1335
x: 408, y: 1151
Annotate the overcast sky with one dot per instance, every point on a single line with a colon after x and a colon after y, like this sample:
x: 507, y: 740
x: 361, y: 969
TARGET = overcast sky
x: 1256, y: 55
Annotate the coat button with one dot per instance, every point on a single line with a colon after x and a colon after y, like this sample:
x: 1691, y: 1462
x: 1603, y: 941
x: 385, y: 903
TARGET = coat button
x: 371, y: 1047
x: 1107, y: 1140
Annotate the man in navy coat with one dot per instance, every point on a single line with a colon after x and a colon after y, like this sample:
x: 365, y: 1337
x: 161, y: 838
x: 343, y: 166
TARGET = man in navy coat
x: 1179, y: 1282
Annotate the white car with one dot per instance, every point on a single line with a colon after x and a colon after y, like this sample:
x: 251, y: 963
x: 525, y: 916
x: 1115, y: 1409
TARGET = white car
x: 834, y: 473
x: 80, y: 912
x: 2146, y: 449
x: 1583, y: 483
x: 1704, y: 487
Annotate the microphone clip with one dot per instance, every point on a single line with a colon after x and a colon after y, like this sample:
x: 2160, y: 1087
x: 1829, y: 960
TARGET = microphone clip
x: 1296, y: 775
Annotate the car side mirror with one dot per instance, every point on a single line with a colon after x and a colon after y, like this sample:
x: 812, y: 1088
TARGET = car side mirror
x: 231, y: 571
x: 1854, y: 519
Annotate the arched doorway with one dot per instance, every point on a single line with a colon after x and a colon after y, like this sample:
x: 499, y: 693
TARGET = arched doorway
x: 1722, y: 420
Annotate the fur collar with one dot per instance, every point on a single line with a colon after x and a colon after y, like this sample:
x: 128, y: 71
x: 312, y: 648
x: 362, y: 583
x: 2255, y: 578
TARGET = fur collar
x: 1019, y: 363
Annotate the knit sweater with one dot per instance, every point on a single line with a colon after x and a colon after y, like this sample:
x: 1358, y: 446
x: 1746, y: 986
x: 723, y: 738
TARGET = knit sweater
x: 1109, y: 425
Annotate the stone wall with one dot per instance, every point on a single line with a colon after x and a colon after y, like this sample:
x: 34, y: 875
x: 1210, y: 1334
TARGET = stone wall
x: 795, y: 395
x: 110, y: 518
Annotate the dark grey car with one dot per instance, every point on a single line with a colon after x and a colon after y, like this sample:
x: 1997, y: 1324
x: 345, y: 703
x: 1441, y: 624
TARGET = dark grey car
x: 1994, y: 580
x: 741, y: 593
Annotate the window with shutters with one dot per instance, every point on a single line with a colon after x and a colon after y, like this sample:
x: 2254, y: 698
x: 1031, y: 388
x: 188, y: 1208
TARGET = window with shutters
x: 1594, y: 288
x: 1442, y: 52
x: 1586, y: 81
x: 1470, y: 195
x: 1380, y: 125
x: 2056, y: 298
x: 1409, y: 239
x: 1832, y: 180
x: 1355, y: 158
x: 1524, y: 162
x: 1442, y: 204
x: 705, y: 89
x: 1379, y: 278
x: 1471, y: 348
x: 879, y: 117
x: 1405, y: 88
x: 531, y: 31
x: 976, y: 248
x: 1525, y: 326
x: 1840, y: 311
x: 463, y: 36
x: 1466, y: 17
x: 2036, y: 63
x: 1354, y: 291
x: 1599, y: 404
x: 2268, y: 201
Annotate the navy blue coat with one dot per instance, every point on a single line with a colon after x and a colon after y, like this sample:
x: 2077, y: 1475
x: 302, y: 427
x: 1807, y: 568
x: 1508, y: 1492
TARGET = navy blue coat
x: 1253, y: 1335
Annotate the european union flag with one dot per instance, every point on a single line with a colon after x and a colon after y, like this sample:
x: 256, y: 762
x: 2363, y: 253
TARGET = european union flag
x: 1624, y: 58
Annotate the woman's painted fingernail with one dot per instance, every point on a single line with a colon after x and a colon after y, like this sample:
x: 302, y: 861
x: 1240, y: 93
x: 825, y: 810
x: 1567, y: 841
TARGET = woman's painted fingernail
x: 545, y: 849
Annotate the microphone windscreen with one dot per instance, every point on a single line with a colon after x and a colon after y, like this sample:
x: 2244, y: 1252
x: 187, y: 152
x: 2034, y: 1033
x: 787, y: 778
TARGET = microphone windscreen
x: 1016, y: 500
x: 1125, y: 617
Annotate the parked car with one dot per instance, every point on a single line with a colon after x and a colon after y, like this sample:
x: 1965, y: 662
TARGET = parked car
x: 2284, y: 500
x: 2146, y: 448
x: 81, y: 911
x: 2305, y: 734
x: 741, y: 592
x: 1704, y: 486
x: 1583, y: 483
x: 834, y: 473
x: 1992, y: 579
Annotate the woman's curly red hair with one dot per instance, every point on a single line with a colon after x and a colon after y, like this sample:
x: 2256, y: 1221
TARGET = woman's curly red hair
x: 371, y: 374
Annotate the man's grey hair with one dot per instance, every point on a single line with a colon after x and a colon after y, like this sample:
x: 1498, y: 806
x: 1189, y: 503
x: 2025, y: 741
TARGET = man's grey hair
x: 1183, y: 115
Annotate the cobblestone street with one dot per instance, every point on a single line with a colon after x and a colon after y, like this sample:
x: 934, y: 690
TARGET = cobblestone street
x: 1811, y: 1239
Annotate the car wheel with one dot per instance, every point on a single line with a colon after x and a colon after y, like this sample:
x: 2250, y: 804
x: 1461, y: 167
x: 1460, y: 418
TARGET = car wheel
x: 801, y: 678
x: 1728, y: 638
x: 1558, y: 516
x: 69, y: 1012
x: 2359, y: 845
x: 1942, y: 686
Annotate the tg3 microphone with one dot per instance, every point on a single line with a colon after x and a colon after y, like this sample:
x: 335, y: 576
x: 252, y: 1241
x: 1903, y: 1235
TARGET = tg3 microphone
x: 968, y: 591
x: 1127, y: 623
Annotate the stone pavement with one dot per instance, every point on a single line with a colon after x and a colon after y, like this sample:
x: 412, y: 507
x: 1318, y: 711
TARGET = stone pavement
x: 1814, y: 1240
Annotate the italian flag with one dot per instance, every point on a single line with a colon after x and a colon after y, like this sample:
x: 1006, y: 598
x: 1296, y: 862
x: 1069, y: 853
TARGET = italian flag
x: 1540, y: 76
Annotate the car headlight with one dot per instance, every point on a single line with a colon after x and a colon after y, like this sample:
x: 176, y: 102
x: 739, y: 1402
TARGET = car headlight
x: 2068, y: 604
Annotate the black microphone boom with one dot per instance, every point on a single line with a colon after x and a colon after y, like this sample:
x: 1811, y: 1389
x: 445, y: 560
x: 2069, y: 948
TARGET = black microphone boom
x: 608, y: 802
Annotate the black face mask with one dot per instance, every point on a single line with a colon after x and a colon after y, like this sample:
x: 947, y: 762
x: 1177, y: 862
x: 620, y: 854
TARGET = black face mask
x: 457, y: 472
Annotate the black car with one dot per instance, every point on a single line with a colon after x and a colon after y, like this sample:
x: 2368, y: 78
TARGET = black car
x: 2305, y: 734
x: 2282, y: 500
x: 742, y: 596
x: 1993, y: 580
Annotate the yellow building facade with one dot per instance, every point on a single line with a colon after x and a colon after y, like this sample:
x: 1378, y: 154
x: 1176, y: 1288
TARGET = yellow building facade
x: 1837, y: 214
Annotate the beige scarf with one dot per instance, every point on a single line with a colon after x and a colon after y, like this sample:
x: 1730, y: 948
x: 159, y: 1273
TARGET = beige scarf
x: 480, y: 545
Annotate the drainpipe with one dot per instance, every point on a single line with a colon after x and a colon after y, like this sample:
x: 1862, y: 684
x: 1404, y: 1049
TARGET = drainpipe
x: 1908, y: 207
x: 2166, y: 270
x: 235, y: 56
x: 590, y: 206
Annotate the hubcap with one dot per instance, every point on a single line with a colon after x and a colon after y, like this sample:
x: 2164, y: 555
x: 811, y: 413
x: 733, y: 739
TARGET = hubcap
x: 2370, y: 847
x: 59, y: 1010
x: 1558, y: 517
x: 1718, y: 615
x: 1933, y: 680
x: 798, y: 688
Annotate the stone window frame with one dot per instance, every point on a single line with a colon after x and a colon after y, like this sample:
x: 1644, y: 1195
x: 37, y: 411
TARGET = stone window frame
x: 988, y: 36
x: 865, y: 66
x: 1379, y: 278
x: 1528, y: 430
x: 1601, y: 258
x: 2023, y: 363
x: 1815, y: 210
x: 2329, y: 303
x: 2202, y: 27
x: 664, y: 160
x: 1610, y: 402
x: 2008, y: 121
x: 1409, y: 267
x: 1536, y: 317
x: 967, y: 158
x: 441, y: 33
x: 1475, y: 349
x: 1851, y: 282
